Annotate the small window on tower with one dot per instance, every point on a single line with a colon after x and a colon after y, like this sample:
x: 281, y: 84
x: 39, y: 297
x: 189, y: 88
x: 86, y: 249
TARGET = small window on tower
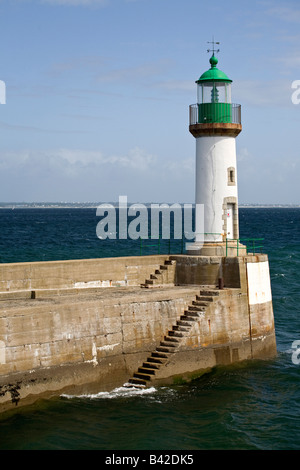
x: 231, y: 176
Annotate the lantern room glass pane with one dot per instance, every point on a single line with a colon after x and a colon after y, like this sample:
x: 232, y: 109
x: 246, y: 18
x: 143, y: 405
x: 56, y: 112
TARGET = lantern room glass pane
x: 214, y: 92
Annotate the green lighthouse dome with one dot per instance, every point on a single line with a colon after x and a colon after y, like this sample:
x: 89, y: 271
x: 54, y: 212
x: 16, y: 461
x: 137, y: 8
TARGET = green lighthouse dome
x: 214, y: 74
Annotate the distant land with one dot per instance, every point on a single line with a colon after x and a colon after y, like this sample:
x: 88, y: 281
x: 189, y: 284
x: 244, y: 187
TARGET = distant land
x: 94, y: 205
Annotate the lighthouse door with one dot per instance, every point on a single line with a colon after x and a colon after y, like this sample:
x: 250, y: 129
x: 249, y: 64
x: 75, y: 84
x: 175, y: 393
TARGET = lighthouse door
x: 230, y: 220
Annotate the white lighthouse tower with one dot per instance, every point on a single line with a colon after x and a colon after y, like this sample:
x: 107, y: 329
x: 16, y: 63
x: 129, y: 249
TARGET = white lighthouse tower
x: 215, y: 123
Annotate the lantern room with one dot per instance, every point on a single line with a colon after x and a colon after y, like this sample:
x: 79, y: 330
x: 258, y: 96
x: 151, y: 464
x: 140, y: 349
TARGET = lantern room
x: 214, y: 95
x: 214, y: 86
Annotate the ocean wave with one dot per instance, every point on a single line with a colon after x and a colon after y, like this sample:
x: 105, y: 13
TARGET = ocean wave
x: 119, y: 392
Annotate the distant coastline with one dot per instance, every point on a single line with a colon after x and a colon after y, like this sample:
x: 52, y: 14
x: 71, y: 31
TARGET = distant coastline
x: 94, y: 205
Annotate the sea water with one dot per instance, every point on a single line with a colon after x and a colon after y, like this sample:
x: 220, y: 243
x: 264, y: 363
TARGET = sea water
x: 251, y: 405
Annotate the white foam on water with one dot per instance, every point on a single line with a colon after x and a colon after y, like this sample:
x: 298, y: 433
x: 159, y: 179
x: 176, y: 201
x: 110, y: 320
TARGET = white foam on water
x: 116, y: 393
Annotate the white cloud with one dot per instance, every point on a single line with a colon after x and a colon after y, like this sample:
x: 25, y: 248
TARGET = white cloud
x: 177, y: 85
x: 24, y: 128
x: 72, y: 162
x: 80, y: 175
x: 289, y: 62
x: 135, y: 159
x: 77, y: 63
x: 289, y: 13
x: 263, y: 93
x: 130, y: 74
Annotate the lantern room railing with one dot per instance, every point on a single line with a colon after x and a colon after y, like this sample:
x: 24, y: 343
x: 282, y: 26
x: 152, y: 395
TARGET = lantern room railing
x: 215, y: 112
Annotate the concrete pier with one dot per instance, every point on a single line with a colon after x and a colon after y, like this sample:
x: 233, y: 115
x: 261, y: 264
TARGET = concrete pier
x: 84, y: 325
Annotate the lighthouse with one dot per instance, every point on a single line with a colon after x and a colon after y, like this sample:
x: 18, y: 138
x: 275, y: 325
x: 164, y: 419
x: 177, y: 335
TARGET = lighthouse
x: 215, y: 122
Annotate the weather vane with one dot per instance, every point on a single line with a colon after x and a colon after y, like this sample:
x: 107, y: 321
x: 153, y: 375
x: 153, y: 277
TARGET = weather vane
x: 213, y: 50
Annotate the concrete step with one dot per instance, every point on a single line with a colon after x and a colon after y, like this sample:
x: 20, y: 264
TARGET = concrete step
x: 155, y: 279
x: 188, y: 318
x: 160, y: 355
x: 163, y: 268
x: 179, y: 328
x: 191, y: 319
x: 156, y: 360
x: 168, y: 344
x: 163, y: 349
x: 209, y: 293
x: 138, y: 375
x: 171, y: 338
x: 146, y: 371
x: 200, y: 303
x: 176, y: 334
x: 192, y: 314
x: 205, y: 298
x: 196, y: 308
x: 184, y: 323
x: 151, y: 365
x: 139, y: 382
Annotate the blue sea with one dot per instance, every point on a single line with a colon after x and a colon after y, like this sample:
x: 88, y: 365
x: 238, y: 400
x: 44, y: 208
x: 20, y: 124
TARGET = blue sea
x: 249, y: 406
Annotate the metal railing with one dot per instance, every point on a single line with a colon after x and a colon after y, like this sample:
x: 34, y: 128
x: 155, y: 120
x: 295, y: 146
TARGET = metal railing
x: 163, y: 246
x: 170, y: 246
x: 252, y: 245
x: 173, y: 246
x: 206, y: 113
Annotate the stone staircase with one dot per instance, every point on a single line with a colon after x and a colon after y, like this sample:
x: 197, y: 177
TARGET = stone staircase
x: 173, y: 339
x: 163, y: 276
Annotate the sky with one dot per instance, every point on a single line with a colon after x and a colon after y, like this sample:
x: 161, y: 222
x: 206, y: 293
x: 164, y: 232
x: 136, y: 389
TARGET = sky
x: 98, y: 93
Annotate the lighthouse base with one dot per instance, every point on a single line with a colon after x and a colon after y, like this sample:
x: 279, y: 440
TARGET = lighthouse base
x: 227, y: 248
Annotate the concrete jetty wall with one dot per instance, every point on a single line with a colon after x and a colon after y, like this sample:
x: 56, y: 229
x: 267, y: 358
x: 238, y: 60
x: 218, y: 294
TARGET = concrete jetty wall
x: 77, y: 274
x: 85, y: 325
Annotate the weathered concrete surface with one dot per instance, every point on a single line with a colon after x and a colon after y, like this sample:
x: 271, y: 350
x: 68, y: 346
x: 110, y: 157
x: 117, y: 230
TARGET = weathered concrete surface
x: 66, y: 332
x: 77, y: 274
x: 61, y: 341
x: 227, y: 332
x: 206, y: 270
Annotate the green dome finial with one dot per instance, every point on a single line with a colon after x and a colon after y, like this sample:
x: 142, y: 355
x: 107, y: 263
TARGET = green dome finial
x: 213, y: 61
x: 213, y: 74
